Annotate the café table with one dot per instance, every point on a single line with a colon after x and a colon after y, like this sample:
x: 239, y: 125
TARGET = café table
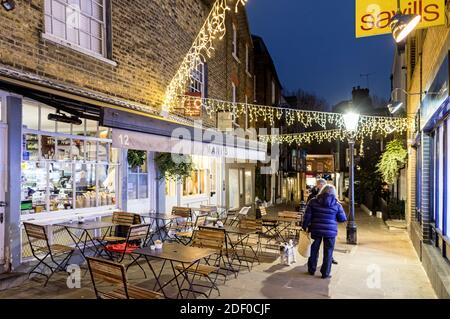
x: 230, y: 246
x: 175, y: 254
x: 280, y: 224
x: 162, y: 223
x: 85, y: 237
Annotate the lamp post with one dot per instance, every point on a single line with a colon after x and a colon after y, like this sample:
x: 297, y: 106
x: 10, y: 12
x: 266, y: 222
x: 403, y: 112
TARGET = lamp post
x: 351, y: 121
x: 403, y: 24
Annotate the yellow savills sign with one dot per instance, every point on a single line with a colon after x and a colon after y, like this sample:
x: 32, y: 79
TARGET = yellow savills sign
x: 373, y: 16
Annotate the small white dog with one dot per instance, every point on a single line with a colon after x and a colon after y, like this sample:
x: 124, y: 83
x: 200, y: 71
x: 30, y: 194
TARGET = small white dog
x: 287, y: 254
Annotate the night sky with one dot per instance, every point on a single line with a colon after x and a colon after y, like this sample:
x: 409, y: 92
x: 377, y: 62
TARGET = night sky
x: 314, y: 47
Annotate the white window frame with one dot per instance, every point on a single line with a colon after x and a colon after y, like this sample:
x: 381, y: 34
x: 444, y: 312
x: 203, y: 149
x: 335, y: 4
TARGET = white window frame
x: 247, y: 60
x: 234, y: 52
x: 50, y: 36
x: 234, y: 100
x: 273, y: 93
x: 197, y: 82
x: 138, y: 174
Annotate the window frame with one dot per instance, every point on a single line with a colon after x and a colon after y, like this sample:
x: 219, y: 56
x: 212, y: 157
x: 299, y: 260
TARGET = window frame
x: 138, y: 174
x: 105, y: 27
x: 235, y: 44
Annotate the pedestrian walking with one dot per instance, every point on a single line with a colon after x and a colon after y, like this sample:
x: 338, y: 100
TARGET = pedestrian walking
x: 321, y: 219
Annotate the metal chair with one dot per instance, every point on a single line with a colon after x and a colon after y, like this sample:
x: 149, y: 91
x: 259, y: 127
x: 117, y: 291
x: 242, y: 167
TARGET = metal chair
x: 46, y: 253
x: 243, y: 213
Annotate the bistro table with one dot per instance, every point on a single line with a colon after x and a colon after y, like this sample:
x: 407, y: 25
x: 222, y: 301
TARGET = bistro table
x: 277, y: 221
x: 242, y: 234
x: 172, y: 253
x: 162, y: 223
x: 85, y: 237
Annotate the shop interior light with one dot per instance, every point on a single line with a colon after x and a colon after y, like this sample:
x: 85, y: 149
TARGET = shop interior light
x: 59, y: 117
x: 8, y: 5
x: 403, y: 24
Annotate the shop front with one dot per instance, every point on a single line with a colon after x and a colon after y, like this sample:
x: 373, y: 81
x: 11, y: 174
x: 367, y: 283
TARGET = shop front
x: 3, y: 174
x: 241, y: 185
x: 433, y: 145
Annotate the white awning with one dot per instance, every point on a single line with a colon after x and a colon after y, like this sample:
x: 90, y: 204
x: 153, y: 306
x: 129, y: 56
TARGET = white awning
x: 241, y: 150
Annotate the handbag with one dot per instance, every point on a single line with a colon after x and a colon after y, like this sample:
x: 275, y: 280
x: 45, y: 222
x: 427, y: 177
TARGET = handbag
x: 304, y: 245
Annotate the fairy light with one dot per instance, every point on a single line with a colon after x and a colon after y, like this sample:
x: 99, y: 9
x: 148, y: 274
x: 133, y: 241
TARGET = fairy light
x: 368, y: 125
x: 213, y: 29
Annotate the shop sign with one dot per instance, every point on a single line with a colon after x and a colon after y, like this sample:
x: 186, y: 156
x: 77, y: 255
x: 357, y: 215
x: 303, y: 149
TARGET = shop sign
x: 373, y: 17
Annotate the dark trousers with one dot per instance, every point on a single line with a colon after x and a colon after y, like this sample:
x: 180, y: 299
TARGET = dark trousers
x: 328, y: 249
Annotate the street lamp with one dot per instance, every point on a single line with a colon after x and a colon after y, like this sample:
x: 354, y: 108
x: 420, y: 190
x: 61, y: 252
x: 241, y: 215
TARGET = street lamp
x: 395, y: 105
x: 403, y: 24
x: 351, y: 121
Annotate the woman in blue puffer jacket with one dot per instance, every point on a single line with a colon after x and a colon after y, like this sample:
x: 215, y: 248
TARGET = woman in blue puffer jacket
x: 321, y: 219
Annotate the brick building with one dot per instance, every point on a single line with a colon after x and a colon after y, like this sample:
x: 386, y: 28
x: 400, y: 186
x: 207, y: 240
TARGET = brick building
x: 81, y: 84
x: 426, y: 59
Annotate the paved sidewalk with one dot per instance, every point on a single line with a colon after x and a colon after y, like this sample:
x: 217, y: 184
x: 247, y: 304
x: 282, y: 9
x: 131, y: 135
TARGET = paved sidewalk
x: 383, y: 265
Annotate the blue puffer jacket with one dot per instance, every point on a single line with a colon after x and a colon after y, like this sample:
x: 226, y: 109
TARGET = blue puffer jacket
x: 323, y: 215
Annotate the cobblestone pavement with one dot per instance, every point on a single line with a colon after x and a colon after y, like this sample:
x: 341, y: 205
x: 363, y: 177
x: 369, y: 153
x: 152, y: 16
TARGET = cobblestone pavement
x: 383, y: 265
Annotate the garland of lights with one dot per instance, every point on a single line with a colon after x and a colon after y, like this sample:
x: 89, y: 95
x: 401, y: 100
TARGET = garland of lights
x: 202, y: 48
x: 368, y: 125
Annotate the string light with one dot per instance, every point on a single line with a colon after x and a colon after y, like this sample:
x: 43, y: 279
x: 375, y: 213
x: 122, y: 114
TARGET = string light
x: 368, y: 125
x: 213, y: 29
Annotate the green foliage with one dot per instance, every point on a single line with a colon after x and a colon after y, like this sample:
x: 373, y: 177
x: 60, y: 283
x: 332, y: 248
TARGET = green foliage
x: 392, y: 160
x: 136, y: 158
x: 368, y: 180
x: 174, y: 167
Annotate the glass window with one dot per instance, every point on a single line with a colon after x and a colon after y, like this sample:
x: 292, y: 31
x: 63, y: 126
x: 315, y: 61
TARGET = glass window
x: 446, y: 227
x: 235, y: 41
x: 196, y: 184
x: 30, y: 115
x: 198, y: 79
x: 54, y: 174
x: 233, y: 191
x: 80, y: 22
x: 441, y: 178
x: 248, y: 188
x: 138, y: 181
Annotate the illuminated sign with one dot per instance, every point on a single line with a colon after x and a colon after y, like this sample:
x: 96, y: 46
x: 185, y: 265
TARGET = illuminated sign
x: 373, y: 17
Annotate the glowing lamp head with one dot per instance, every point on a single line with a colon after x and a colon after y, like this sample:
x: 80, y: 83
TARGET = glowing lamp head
x: 394, y: 107
x: 403, y: 24
x: 351, y: 121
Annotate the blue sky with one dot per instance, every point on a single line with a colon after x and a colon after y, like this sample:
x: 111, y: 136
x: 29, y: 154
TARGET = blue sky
x: 314, y: 47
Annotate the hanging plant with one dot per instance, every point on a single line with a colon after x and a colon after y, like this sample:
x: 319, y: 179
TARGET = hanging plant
x: 176, y: 170
x: 136, y: 158
x: 392, y: 161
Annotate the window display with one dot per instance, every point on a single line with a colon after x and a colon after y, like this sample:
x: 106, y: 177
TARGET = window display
x: 196, y: 184
x: 138, y: 182
x: 62, y: 171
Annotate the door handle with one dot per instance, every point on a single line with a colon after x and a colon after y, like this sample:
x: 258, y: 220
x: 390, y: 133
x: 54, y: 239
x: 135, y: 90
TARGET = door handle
x: 3, y: 204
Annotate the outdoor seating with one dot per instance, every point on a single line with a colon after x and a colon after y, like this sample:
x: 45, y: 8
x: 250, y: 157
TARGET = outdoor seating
x: 253, y: 240
x: 185, y: 237
x: 46, y: 253
x: 121, y: 220
x: 211, y: 239
x: 184, y: 220
x: 136, y: 239
x: 292, y: 227
x: 108, y: 272
x: 242, y: 214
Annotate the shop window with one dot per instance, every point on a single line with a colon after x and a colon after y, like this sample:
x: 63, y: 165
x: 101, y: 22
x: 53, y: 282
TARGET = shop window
x: 248, y: 188
x: 441, y: 179
x: 62, y: 171
x: 196, y: 184
x: 197, y: 83
x: 78, y: 22
x: 138, y: 182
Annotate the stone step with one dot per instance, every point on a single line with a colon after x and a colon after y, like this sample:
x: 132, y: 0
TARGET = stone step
x: 12, y: 279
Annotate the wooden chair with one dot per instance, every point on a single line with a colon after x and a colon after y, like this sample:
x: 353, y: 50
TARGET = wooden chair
x: 186, y: 237
x: 253, y: 240
x: 209, y: 238
x: 212, y: 210
x: 105, y: 271
x: 184, y: 222
x: 45, y: 253
x: 137, y: 237
x: 295, y: 226
x: 243, y: 213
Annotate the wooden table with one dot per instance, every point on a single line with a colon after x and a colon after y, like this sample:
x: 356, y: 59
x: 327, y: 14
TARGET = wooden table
x: 179, y: 254
x: 85, y: 237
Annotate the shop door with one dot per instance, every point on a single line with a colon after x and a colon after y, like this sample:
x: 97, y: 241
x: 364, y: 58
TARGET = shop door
x: 234, y: 200
x: 3, y: 132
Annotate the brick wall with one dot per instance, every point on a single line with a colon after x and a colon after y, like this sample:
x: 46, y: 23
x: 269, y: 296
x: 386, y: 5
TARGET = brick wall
x: 149, y: 41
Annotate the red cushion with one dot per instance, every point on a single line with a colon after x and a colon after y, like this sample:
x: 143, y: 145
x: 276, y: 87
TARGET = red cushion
x: 120, y: 248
